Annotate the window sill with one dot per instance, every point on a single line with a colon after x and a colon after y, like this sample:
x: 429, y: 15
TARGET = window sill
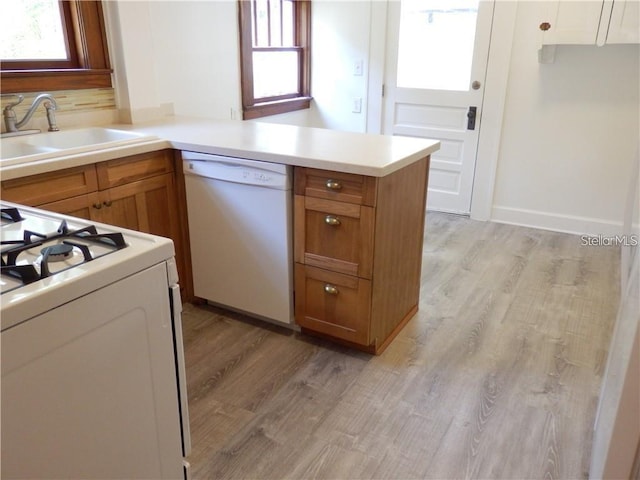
x: 18, y: 81
x: 274, y: 108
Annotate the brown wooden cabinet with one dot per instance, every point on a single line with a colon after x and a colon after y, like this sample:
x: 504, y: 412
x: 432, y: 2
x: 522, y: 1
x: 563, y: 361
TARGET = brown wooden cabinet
x: 358, y: 253
x: 138, y: 192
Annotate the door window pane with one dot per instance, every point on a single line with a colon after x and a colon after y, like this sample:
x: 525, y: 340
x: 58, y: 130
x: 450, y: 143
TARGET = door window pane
x: 32, y: 30
x: 436, y: 44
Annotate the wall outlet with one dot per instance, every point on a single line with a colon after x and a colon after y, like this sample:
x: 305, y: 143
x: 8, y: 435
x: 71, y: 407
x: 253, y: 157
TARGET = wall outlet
x: 357, y: 105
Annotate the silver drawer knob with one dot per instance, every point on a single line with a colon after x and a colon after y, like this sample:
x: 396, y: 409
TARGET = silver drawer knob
x: 333, y: 185
x: 330, y: 289
x: 331, y: 220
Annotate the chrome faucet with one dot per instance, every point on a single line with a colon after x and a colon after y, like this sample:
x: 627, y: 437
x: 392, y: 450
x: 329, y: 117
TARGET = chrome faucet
x: 10, y: 119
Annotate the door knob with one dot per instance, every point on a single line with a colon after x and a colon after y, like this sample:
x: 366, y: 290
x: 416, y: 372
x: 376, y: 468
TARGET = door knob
x: 476, y: 85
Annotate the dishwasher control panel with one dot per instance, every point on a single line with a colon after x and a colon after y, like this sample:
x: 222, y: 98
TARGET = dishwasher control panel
x: 240, y: 170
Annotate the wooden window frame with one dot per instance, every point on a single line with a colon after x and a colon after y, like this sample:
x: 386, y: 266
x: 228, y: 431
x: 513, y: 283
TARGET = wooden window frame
x: 88, y: 67
x: 285, y: 103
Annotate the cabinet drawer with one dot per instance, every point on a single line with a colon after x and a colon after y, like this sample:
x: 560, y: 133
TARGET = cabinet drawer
x: 334, y: 235
x: 332, y: 303
x: 113, y: 173
x: 50, y: 187
x: 342, y: 187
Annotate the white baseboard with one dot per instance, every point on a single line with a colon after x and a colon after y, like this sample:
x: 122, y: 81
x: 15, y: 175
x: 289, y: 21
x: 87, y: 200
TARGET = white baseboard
x: 555, y: 222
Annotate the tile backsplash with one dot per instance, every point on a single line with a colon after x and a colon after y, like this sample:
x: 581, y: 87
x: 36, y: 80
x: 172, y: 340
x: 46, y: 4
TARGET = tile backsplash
x: 98, y: 103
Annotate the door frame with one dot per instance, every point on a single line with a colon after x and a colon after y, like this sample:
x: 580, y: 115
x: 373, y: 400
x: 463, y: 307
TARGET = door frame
x: 496, y: 81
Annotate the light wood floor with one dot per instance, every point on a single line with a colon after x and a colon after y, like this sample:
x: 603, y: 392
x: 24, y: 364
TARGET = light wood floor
x: 497, y: 376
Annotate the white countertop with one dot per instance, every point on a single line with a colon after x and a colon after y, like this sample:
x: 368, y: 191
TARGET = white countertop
x: 366, y: 154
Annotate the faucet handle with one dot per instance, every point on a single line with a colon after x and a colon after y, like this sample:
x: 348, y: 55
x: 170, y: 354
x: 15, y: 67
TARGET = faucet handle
x: 10, y: 105
x: 50, y: 107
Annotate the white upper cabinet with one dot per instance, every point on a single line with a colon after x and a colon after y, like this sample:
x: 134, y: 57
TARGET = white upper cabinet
x: 624, y: 23
x: 571, y: 22
x: 588, y: 22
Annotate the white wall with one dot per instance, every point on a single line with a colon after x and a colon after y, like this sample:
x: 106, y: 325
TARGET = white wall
x: 570, y: 130
x: 340, y: 38
x: 196, y: 57
x: 131, y: 48
x: 174, y: 56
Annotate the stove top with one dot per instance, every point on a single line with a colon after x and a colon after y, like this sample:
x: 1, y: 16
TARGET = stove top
x: 49, y: 259
x: 34, y: 246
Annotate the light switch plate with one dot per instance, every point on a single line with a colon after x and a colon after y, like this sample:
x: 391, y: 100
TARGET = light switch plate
x: 357, y: 105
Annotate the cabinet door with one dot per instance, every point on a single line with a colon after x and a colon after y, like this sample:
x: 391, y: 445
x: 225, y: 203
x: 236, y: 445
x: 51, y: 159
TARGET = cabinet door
x: 572, y: 22
x: 334, y: 304
x: 624, y: 26
x: 83, y: 206
x: 147, y: 206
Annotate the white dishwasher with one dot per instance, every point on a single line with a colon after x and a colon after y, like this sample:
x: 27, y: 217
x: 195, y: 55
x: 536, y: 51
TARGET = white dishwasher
x: 240, y: 228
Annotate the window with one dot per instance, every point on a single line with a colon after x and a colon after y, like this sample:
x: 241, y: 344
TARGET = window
x: 34, y: 30
x: 274, y: 50
x: 53, y: 45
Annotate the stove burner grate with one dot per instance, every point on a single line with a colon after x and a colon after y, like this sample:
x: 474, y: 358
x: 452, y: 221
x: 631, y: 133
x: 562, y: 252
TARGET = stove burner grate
x: 25, y: 273
x: 81, y: 239
x: 12, y: 215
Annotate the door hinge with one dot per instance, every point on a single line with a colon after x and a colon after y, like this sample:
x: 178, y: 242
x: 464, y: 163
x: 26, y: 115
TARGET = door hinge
x: 383, y: 89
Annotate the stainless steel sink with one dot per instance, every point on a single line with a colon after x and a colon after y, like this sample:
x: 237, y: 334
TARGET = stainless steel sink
x: 27, y: 148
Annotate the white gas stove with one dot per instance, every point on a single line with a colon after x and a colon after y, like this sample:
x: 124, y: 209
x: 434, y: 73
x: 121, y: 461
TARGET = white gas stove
x: 93, y: 381
x: 56, y: 258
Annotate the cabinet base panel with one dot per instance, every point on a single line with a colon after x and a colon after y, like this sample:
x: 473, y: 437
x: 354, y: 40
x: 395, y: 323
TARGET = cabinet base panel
x: 364, y: 348
x: 394, y: 333
x: 373, y: 348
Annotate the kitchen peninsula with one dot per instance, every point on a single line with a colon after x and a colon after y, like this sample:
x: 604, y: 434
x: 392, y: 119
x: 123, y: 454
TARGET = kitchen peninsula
x: 355, y: 280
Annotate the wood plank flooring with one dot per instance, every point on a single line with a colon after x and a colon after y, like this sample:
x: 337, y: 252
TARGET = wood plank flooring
x: 497, y: 376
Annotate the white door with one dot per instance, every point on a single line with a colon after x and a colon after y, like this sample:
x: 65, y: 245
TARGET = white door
x: 437, y: 53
